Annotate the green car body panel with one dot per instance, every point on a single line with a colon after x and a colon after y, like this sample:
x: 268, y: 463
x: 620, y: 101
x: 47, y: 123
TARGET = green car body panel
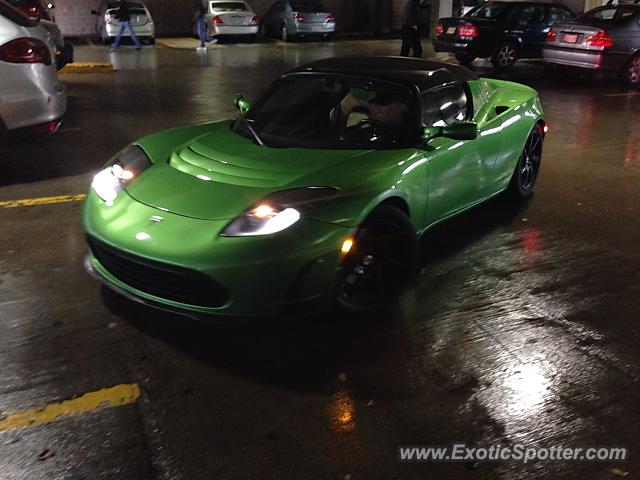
x: 204, y: 176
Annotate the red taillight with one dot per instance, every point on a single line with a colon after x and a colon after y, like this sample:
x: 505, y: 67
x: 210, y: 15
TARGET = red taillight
x: 551, y: 36
x: 331, y: 19
x: 254, y: 20
x: 298, y: 17
x: 470, y: 31
x: 25, y: 50
x: 217, y: 20
x: 601, y: 39
x: 45, y: 128
x: 439, y: 28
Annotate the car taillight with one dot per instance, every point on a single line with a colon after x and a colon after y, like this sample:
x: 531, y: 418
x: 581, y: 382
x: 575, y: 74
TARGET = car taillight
x: 217, y: 20
x: 331, y: 19
x: 470, y: 31
x: 298, y: 17
x: 25, y: 50
x: 551, y: 36
x: 37, y: 11
x: 45, y: 128
x: 601, y: 39
x: 439, y: 28
x: 254, y: 20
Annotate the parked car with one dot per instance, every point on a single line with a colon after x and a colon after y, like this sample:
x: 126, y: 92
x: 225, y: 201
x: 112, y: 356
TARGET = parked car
x: 502, y: 31
x: 107, y: 25
x: 35, y: 8
x: 605, y: 38
x: 32, y: 98
x: 287, y: 20
x: 230, y: 19
x: 316, y: 194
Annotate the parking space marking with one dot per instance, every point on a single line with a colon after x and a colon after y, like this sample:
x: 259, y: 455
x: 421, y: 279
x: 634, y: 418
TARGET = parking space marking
x: 88, y: 67
x: 117, y: 396
x: 33, y: 202
x: 624, y: 94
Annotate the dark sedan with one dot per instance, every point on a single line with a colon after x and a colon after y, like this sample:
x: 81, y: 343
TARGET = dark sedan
x: 605, y: 38
x: 502, y: 31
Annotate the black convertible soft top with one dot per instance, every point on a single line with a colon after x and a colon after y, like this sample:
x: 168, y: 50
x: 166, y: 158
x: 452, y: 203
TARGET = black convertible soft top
x: 424, y: 74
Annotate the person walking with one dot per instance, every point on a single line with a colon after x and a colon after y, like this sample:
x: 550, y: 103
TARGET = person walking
x: 409, y: 30
x: 124, y: 18
x: 201, y: 27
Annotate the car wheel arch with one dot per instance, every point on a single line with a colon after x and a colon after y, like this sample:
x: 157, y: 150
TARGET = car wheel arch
x: 394, y: 199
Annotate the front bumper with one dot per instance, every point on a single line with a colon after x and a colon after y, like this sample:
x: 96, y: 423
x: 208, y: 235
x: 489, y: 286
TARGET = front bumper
x: 293, y: 271
x: 216, y: 30
x: 591, y: 59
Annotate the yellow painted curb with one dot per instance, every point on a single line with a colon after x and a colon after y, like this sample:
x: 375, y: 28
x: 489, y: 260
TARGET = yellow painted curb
x: 116, y: 396
x: 87, y: 67
x: 34, y: 202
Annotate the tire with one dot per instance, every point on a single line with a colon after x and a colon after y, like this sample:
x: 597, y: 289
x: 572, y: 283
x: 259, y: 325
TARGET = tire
x: 525, y: 175
x: 505, y: 56
x: 631, y: 72
x: 284, y: 33
x: 381, y: 262
x: 465, y: 59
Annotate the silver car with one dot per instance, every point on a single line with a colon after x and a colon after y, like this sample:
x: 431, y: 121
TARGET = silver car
x: 107, y: 25
x: 230, y: 18
x: 287, y: 20
x: 32, y: 98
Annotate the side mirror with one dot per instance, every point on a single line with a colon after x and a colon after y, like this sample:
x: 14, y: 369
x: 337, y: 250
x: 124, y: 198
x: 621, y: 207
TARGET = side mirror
x: 455, y: 131
x: 241, y: 103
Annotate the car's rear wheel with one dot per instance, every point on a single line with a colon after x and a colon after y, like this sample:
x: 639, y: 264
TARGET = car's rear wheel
x: 631, y: 72
x: 381, y: 262
x: 505, y: 56
x: 465, y: 59
x: 525, y: 175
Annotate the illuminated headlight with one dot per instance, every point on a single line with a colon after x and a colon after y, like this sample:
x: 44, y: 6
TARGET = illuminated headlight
x: 110, y: 181
x: 277, y: 212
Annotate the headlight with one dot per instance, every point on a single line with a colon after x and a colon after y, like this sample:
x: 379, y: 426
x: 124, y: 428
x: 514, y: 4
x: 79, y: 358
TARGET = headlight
x: 130, y: 163
x: 277, y: 211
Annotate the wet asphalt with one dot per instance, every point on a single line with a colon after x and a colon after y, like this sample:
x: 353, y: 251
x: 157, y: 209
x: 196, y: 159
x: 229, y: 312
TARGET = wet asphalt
x: 522, y: 326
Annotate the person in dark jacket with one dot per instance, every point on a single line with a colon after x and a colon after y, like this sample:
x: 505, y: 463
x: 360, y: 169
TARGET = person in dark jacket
x: 124, y: 18
x: 201, y: 27
x: 409, y: 30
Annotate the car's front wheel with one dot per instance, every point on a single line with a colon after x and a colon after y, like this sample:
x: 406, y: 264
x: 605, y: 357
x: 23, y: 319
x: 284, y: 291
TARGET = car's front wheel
x: 381, y: 262
x: 525, y: 175
x: 631, y: 72
x: 505, y: 56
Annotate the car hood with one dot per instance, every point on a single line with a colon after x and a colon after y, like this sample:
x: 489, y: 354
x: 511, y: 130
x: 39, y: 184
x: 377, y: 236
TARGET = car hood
x: 220, y: 174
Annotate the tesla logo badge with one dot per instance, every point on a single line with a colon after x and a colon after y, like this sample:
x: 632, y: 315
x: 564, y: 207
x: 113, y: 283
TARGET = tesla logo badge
x: 157, y: 218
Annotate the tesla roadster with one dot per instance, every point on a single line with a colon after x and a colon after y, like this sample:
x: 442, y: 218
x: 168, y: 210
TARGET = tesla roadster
x: 316, y: 194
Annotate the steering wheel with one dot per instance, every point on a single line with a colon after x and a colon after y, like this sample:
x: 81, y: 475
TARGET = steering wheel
x: 370, y: 129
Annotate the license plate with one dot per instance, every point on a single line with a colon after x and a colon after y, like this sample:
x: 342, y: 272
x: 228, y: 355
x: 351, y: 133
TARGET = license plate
x: 570, y: 37
x: 316, y: 28
x: 451, y: 30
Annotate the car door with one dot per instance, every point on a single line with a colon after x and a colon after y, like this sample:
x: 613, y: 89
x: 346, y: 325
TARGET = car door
x: 454, y: 167
x: 530, y: 26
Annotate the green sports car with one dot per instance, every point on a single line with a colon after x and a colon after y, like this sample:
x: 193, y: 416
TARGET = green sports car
x: 315, y: 196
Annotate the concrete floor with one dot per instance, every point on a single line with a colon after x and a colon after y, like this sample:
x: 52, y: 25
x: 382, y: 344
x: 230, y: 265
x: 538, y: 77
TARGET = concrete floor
x: 522, y: 327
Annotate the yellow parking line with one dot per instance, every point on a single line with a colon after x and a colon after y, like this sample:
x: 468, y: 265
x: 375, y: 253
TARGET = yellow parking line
x: 32, y: 202
x: 116, y: 396
x: 625, y: 94
x: 87, y: 67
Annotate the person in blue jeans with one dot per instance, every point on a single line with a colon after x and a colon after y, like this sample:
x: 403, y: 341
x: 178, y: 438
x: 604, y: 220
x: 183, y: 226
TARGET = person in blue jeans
x: 124, y: 17
x: 201, y: 27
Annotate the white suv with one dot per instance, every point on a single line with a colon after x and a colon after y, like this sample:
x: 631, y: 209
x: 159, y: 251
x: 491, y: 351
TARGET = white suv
x: 32, y: 98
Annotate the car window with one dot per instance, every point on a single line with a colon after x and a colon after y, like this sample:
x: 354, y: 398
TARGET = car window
x: 229, y: 6
x: 490, y: 10
x: 307, y: 7
x: 334, y: 112
x: 609, y: 15
x: 559, y: 15
x: 443, y: 106
x: 530, y: 15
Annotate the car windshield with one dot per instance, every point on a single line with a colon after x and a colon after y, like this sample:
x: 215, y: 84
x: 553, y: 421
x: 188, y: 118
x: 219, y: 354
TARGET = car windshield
x: 307, y: 7
x: 489, y: 10
x: 317, y: 111
x: 609, y: 15
x: 229, y: 6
